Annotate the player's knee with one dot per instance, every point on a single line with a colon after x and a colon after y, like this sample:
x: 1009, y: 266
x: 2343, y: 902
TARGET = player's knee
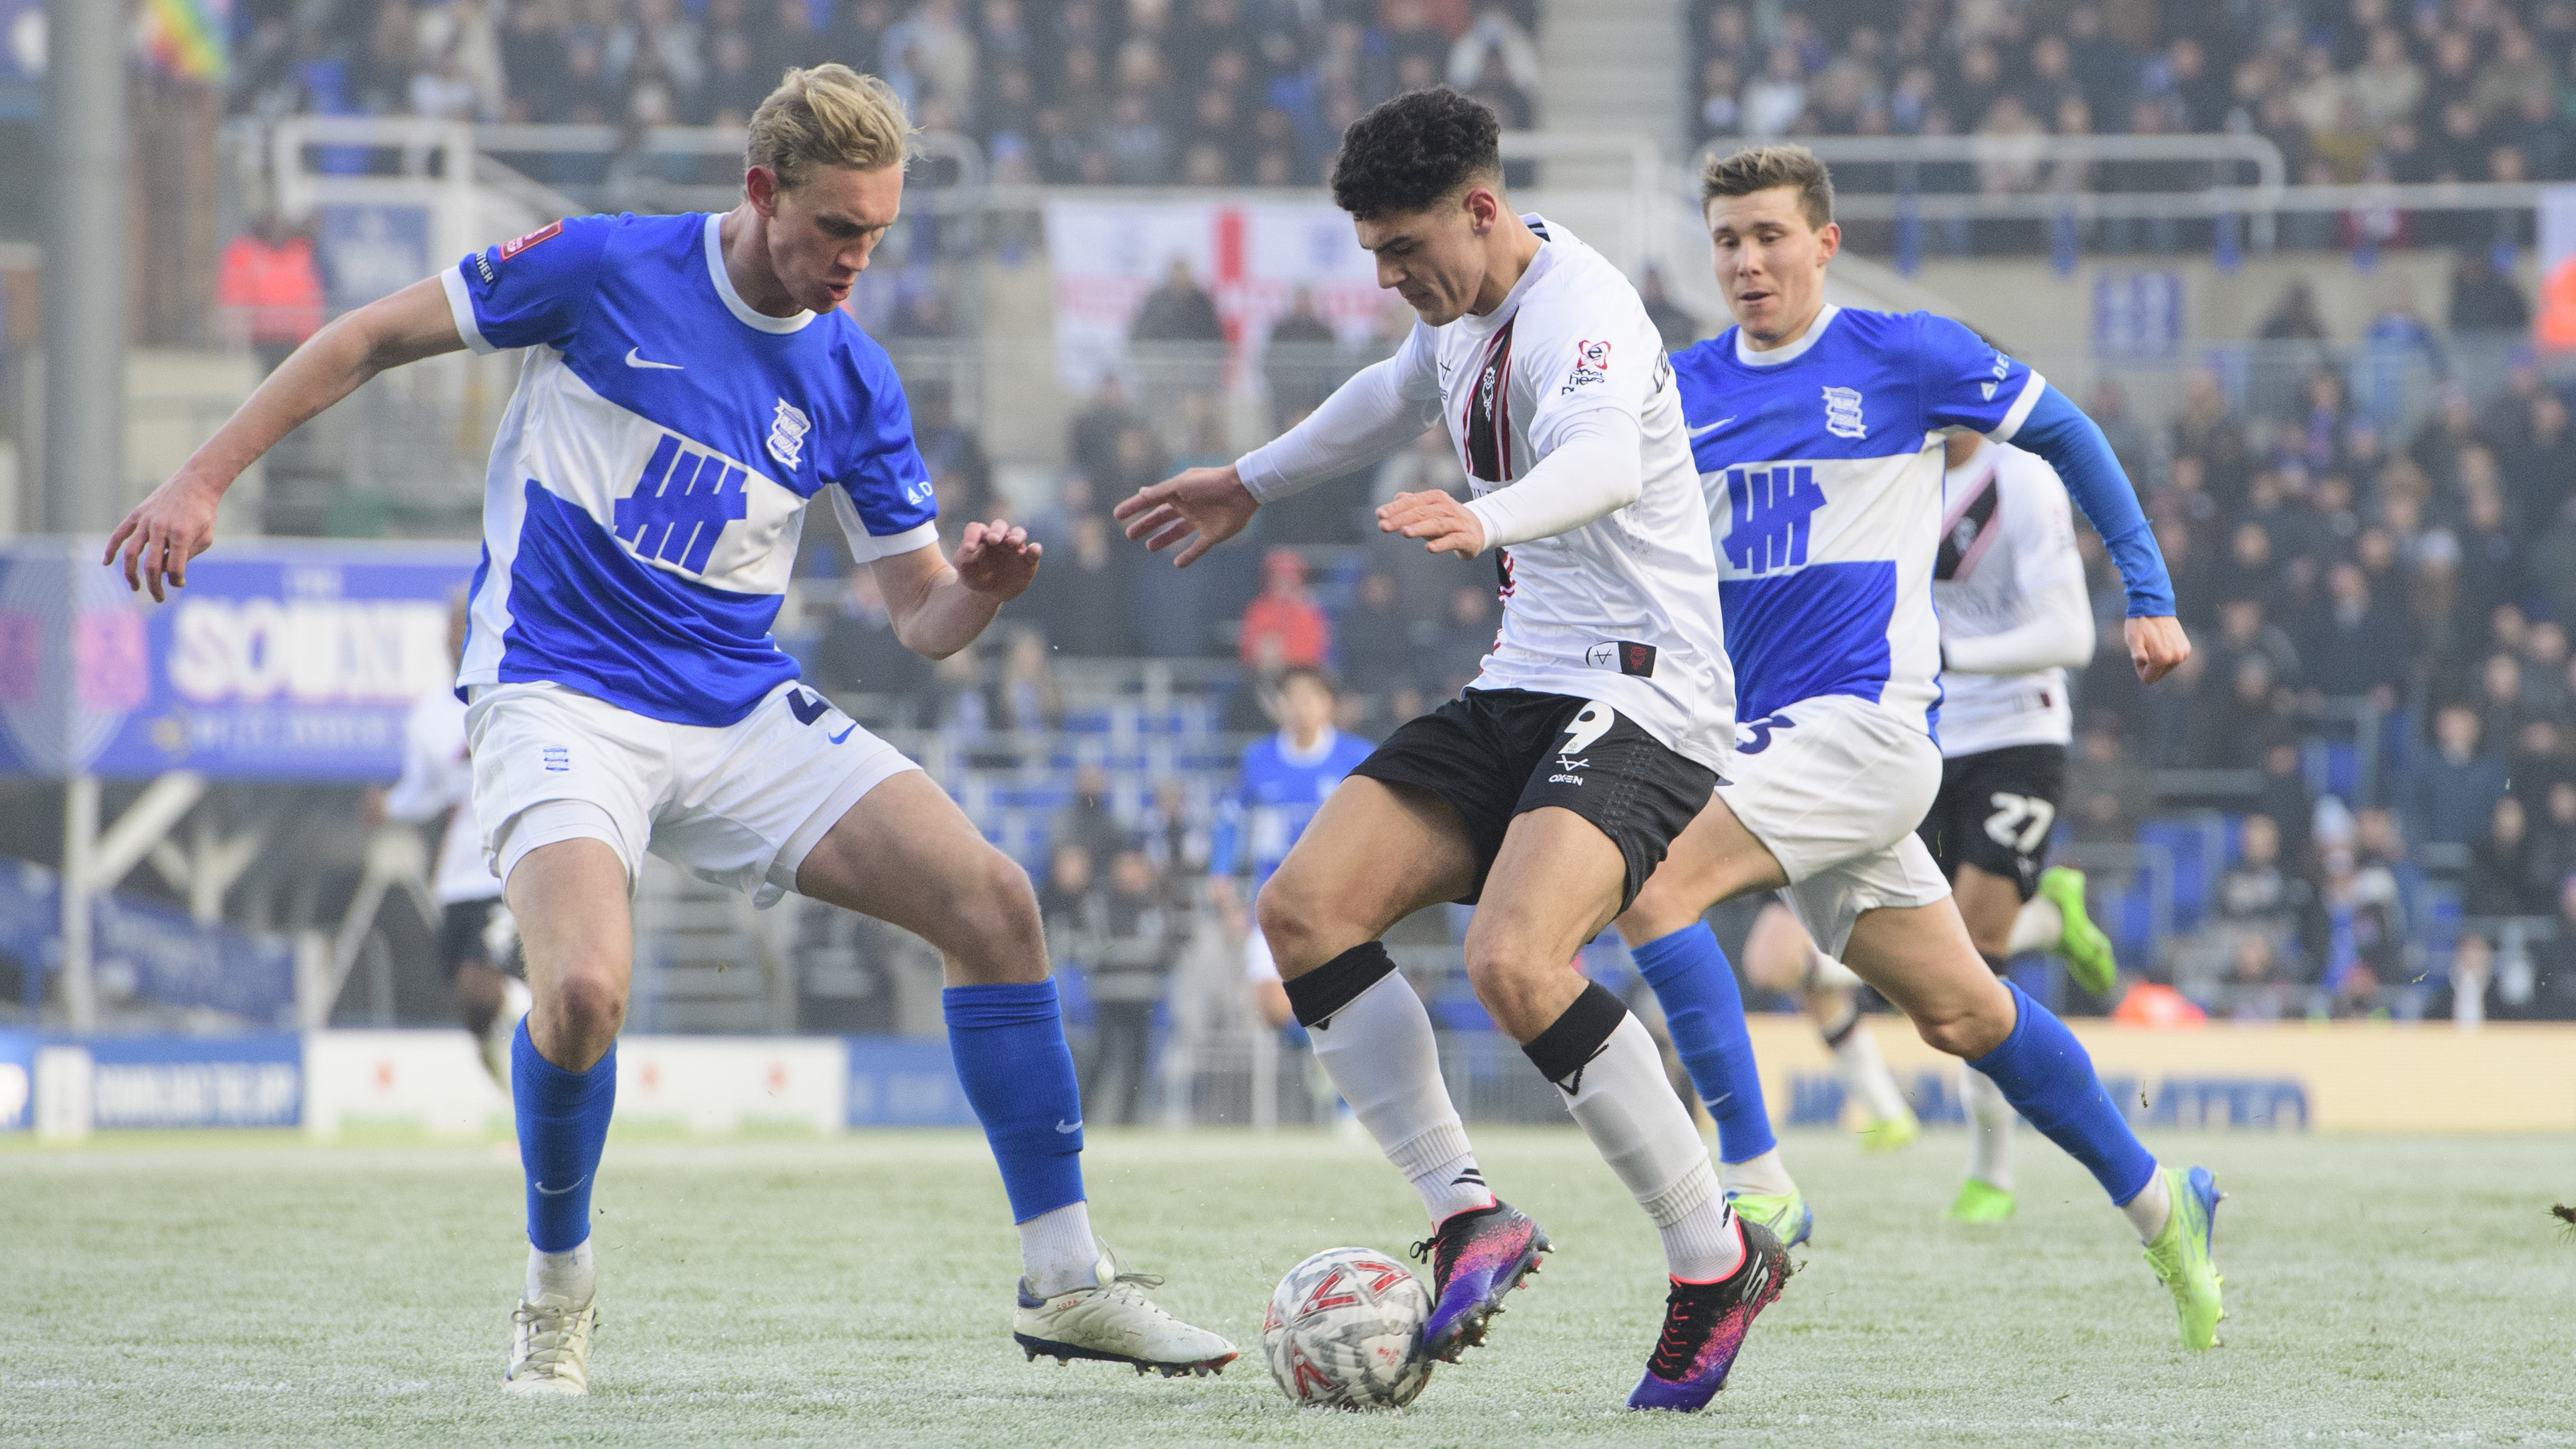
x: 1968, y: 1030
x: 591, y: 1003
x: 996, y: 919
x: 1292, y: 920
x: 1511, y: 981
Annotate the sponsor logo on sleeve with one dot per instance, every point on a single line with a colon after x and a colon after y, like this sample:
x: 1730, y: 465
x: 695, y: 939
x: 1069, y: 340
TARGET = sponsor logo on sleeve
x: 1591, y: 365
x: 516, y: 245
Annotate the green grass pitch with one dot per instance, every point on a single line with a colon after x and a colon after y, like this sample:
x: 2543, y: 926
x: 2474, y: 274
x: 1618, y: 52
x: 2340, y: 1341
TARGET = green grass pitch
x: 856, y: 1291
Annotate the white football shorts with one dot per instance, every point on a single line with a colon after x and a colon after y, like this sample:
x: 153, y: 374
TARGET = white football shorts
x: 1834, y: 787
x: 740, y: 805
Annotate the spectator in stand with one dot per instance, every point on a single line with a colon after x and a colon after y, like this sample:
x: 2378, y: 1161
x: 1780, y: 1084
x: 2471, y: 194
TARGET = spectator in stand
x: 1286, y: 613
x: 2107, y: 793
x: 1092, y: 439
x: 2482, y: 300
x: 2553, y: 991
x: 1064, y: 909
x: 1135, y: 940
x: 2348, y: 643
x: 2285, y: 799
x: 1080, y: 598
x: 2260, y: 983
x: 1088, y: 822
x: 2499, y: 880
x: 2452, y: 793
x: 1178, y: 840
x: 2553, y: 839
x: 1678, y: 329
x: 1180, y: 310
x: 1468, y: 634
x: 268, y: 281
x: 1301, y: 361
x: 1379, y: 647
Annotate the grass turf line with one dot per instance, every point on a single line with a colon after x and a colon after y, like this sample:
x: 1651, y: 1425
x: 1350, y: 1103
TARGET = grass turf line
x: 858, y: 1290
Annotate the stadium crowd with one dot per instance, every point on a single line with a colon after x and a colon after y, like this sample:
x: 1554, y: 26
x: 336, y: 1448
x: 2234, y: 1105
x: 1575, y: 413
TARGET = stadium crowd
x: 2350, y: 90
x: 1124, y: 92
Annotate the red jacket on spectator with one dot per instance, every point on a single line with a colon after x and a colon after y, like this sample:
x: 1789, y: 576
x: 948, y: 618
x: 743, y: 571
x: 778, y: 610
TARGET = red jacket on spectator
x: 1286, y: 612
x: 275, y: 284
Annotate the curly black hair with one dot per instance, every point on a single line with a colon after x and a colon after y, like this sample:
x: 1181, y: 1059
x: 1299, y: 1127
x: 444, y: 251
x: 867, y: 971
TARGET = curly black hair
x: 1409, y: 152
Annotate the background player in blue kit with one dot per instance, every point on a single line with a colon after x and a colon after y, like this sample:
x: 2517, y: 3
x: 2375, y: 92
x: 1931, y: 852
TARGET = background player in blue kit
x: 690, y: 386
x: 1280, y: 785
x: 1819, y: 435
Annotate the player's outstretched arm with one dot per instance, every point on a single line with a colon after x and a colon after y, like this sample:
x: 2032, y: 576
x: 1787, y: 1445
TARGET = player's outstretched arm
x: 1200, y: 506
x: 177, y: 522
x: 1593, y: 470
x: 940, y: 605
x: 2058, y: 431
x: 1379, y: 409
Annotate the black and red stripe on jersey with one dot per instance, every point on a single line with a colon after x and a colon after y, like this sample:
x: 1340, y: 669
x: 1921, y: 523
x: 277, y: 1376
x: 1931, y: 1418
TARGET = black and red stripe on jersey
x: 1489, y: 412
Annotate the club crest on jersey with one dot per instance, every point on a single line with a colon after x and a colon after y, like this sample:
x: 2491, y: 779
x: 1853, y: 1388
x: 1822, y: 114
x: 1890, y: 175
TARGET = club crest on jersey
x: 1842, y: 413
x: 787, y: 430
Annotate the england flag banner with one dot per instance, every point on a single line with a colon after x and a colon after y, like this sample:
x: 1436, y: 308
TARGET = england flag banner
x: 1251, y: 257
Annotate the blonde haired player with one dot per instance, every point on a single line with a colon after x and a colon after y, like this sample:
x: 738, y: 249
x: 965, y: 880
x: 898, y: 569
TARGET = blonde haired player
x: 690, y: 387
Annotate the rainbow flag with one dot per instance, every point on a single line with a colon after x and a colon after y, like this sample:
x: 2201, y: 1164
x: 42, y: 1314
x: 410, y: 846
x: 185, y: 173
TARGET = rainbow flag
x: 190, y: 38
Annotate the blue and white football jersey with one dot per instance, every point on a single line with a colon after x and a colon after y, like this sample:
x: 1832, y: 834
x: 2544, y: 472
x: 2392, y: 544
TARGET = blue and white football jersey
x: 1821, y: 465
x: 650, y: 479
x: 1277, y: 791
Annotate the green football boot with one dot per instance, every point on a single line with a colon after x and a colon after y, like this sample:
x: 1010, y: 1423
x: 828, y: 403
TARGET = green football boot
x: 1980, y: 1201
x: 2180, y: 1255
x: 2086, y: 949
x: 1786, y: 1214
x: 1891, y: 1134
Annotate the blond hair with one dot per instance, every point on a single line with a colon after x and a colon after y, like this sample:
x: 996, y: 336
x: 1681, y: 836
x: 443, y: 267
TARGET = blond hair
x: 1763, y: 168
x: 828, y: 115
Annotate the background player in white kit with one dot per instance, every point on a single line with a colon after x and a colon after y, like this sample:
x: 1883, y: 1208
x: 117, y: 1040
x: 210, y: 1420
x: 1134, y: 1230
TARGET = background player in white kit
x: 477, y: 939
x: 690, y: 385
x: 1818, y: 432
x: 1552, y: 787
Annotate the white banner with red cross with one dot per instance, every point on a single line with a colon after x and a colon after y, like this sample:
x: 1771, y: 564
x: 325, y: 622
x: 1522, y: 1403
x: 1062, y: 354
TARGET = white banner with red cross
x: 1251, y: 257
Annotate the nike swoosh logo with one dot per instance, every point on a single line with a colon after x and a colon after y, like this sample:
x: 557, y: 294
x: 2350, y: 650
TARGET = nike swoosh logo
x: 1069, y: 1127
x: 632, y: 360
x: 845, y: 734
x: 1695, y: 432
x: 545, y: 1191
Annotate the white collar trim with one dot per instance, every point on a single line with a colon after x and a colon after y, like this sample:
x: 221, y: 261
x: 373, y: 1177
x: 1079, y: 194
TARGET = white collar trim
x: 743, y: 311
x: 1324, y: 743
x: 1795, y: 350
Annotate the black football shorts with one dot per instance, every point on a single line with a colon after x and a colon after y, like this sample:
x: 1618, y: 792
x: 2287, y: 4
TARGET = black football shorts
x: 1995, y: 810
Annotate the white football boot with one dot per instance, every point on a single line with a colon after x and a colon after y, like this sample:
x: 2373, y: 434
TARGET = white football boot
x: 1115, y: 1321
x: 504, y: 1028
x: 550, y: 1346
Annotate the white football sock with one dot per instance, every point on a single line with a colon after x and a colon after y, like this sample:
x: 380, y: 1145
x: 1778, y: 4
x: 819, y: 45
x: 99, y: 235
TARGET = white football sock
x: 2039, y: 927
x: 1763, y: 1176
x: 572, y: 1274
x: 1865, y: 1074
x: 1701, y: 1242
x: 1623, y: 1102
x: 1383, y: 1059
x: 2148, y: 1210
x: 1058, y: 1252
x: 1990, y: 1128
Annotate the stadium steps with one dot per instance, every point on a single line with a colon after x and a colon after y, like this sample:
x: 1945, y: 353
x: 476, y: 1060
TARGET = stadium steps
x: 1617, y: 66
x: 705, y: 960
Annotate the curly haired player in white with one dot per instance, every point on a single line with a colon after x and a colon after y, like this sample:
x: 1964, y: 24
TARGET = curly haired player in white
x: 1549, y: 790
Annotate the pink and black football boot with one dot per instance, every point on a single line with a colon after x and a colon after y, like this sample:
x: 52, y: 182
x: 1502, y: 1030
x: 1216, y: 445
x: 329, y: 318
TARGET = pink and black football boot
x: 1705, y: 1323
x: 1476, y: 1257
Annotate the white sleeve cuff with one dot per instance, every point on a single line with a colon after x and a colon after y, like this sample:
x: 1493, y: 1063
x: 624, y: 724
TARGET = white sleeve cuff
x: 2020, y: 412
x: 460, y: 306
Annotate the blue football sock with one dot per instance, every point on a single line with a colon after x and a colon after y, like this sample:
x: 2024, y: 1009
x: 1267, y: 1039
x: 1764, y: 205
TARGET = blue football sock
x: 2045, y: 1072
x: 1704, y: 1014
x: 563, y: 1124
x: 1008, y: 1043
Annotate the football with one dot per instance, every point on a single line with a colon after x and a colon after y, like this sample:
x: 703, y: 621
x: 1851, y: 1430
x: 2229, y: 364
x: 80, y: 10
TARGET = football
x: 1342, y: 1329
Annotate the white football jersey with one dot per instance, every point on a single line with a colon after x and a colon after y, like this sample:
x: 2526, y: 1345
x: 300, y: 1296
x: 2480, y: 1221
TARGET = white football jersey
x: 1622, y: 609
x: 2007, y: 551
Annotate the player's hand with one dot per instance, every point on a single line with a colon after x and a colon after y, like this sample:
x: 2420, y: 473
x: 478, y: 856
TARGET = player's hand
x: 164, y: 531
x: 1438, y: 519
x: 997, y: 559
x: 1209, y: 502
x: 2157, y: 646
